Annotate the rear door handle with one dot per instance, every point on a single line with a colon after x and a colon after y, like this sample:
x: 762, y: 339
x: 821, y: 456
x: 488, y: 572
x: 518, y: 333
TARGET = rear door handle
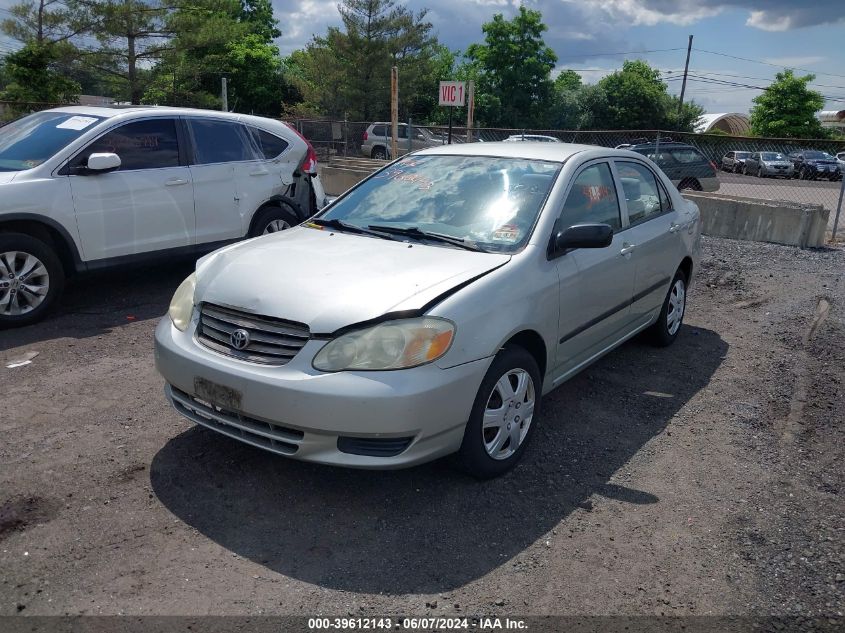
x: 627, y: 250
x: 674, y: 228
x: 259, y: 172
x: 173, y: 182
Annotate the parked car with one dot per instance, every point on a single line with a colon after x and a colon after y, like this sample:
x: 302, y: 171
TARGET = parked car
x: 813, y: 164
x: 378, y: 139
x: 427, y: 310
x: 840, y: 159
x: 531, y: 138
x: 734, y: 161
x: 763, y: 164
x: 685, y: 165
x: 83, y: 188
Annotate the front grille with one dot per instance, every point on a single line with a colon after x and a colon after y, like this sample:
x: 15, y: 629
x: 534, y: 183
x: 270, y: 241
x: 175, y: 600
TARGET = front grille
x: 241, y: 427
x: 271, y: 341
x: 373, y: 446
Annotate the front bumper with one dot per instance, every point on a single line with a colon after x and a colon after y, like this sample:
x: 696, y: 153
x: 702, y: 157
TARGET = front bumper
x: 296, y: 411
x: 774, y: 171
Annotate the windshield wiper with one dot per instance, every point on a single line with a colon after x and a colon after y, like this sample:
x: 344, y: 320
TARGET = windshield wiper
x: 415, y: 231
x: 340, y: 225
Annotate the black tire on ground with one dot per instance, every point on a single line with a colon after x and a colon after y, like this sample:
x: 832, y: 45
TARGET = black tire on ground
x: 659, y: 333
x: 689, y: 183
x: 473, y: 457
x: 736, y: 168
x: 379, y: 153
x: 54, y: 278
x: 281, y: 217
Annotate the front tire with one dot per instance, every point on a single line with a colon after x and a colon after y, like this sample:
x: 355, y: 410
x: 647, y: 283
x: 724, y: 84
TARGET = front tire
x: 31, y: 279
x: 502, y: 415
x: 273, y: 220
x: 664, y: 332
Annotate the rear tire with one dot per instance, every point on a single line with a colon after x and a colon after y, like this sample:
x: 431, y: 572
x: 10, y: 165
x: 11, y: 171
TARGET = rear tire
x: 503, y: 415
x: 31, y: 279
x: 665, y: 330
x: 690, y: 183
x: 272, y: 220
x: 379, y: 153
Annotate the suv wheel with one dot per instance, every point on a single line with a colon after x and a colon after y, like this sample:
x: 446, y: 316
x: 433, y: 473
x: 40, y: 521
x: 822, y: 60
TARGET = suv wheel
x: 690, y: 183
x: 273, y: 220
x: 379, y: 153
x: 31, y: 279
x: 501, y: 419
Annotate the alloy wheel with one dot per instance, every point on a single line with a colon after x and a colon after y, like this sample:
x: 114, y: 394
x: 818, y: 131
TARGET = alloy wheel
x: 677, y: 304
x: 508, y: 414
x: 24, y: 283
x: 274, y: 226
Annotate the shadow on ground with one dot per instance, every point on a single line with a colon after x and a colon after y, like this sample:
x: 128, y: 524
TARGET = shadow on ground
x: 96, y: 302
x: 431, y: 529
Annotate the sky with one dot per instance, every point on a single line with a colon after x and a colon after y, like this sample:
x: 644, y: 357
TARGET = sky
x: 594, y: 37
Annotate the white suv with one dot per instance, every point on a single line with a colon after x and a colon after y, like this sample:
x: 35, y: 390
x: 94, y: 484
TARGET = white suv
x: 83, y: 188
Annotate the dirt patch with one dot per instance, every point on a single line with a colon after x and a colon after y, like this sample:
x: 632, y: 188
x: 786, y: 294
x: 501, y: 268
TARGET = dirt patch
x: 17, y: 514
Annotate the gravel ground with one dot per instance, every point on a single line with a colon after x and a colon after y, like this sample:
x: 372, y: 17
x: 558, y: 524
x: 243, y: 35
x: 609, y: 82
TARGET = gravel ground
x: 702, y: 479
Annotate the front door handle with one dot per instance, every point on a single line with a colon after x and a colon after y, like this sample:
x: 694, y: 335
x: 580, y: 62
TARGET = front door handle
x: 173, y: 182
x: 627, y: 249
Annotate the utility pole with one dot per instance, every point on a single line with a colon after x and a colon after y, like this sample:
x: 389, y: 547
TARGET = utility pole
x: 224, y: 95
x: 394, y: 111
x: 684, y: 82
x: 470, y: 109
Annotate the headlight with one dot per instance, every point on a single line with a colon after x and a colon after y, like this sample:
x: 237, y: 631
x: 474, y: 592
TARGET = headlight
x: 390, y: 345
x: 182, y: 303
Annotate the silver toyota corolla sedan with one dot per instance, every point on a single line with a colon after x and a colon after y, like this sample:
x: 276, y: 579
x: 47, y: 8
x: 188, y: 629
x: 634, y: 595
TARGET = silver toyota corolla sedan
x: 427, y: 310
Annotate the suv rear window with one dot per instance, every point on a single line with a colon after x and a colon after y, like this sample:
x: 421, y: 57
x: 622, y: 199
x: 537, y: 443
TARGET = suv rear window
x: 219, y: 142
x: 269, y: 144
x: 379, y: 130
x: 686, y: 155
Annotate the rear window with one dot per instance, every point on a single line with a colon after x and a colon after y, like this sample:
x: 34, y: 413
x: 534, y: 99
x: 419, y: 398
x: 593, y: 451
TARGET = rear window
x: 269, y: 144
x: 379, y: 130
x: 687, y: 155
x: 219, y: 142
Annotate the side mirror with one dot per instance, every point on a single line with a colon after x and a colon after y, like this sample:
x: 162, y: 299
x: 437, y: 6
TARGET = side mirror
x: 102, y: 163
x: 582, y: 236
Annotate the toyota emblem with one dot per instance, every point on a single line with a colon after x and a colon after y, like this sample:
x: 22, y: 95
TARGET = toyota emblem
x: 239, y: 339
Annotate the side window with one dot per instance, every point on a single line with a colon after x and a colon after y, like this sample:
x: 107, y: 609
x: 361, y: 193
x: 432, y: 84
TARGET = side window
x: 592, y: 199
x: 687, y: 156
x: 149, y: 144
x: 642, y: 193
x: 403, y: 131
x: 379, y: 130
x: 219, y: 142
x: 269, y: 144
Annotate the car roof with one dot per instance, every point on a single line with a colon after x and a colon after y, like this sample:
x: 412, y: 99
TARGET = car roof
x: 108, y: 112
x: 673, y: 144
x: 556, y: 152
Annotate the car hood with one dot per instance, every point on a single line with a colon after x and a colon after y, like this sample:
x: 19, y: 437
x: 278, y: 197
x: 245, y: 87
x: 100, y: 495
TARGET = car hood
x: 329, y: 280
x: 7, y: 176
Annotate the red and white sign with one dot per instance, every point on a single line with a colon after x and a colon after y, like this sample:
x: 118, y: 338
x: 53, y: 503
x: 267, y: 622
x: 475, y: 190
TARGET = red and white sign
x: 453, y: 93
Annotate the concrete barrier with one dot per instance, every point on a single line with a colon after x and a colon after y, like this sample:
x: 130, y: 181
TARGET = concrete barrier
x: 776, y: 221
x: 341, y: 174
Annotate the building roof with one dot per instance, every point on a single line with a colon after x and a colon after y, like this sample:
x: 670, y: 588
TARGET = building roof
x: 734, y: 123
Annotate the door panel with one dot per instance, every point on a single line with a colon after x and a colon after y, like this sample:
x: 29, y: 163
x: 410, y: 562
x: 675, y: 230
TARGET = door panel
x: 146, y: 205
x: 596, y: 283
x: 654, y: 235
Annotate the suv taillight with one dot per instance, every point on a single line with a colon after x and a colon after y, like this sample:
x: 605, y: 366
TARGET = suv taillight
x: 366, y: 136
x: 309, y: 165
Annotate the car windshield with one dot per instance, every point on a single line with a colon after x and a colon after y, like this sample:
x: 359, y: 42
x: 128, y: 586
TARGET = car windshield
x: 743, y: 154
x: 772, y: 156
x: 28, y: 142
x: 820, y: 155
x: 491, y: 203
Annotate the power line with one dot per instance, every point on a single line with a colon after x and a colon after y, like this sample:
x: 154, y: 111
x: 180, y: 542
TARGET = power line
x: 657, y: 50
x: 758, y: 61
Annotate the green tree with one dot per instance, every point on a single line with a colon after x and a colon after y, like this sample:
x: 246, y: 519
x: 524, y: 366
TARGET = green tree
x: 32, y: 76
x: 787, y: 108
x: 635, y: 98
x: 347, y: 71
x: 567, y: 80
x: 513, y: 66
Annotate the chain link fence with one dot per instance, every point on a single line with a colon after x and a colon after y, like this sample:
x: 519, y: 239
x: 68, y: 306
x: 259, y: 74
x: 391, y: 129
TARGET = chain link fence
x: 803, y: 171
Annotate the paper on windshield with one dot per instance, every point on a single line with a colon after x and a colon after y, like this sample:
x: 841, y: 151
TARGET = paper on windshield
x: 76, y: 123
